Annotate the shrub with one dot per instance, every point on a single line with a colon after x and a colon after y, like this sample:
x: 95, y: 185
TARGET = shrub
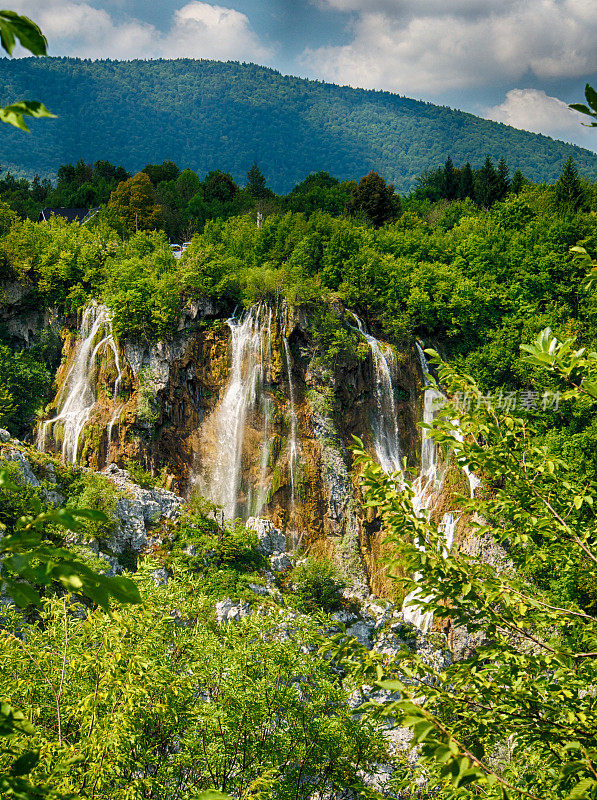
x: 98, y: 494
x: 317, y: 585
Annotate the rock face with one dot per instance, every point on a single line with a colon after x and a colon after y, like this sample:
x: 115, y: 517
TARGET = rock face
x: 294, y: 454
x: 139, y: 511
x: 29, y: 477
x: 271, y: 540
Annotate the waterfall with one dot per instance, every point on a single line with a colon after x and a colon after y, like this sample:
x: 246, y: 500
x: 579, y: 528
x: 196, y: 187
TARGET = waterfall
x: 111, y: 424
x: 77, y: 397
x: 386, y: 440
x: 293, y: 442
x: 243, y: 421
x: 250, y: 343
x: 255, y: 504
x: 426, y: 487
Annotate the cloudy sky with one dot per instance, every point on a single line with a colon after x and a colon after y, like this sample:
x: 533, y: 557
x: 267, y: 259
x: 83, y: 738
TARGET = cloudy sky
x: 515, y: 61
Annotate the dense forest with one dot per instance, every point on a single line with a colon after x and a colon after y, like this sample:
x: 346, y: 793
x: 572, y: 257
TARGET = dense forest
x: 227, y: 115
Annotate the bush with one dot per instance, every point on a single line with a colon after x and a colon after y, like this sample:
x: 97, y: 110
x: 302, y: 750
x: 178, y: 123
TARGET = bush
x: 143, y: 477
x: 98, y: 494
x: 317, y: 585
x: 25, y: 384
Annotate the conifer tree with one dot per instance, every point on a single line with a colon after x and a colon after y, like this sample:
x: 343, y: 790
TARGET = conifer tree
x: 486, y: 184
x: 466, y: 184
x: 256, y: 183
x: 450, y: 180
x: 569, y: 190
x: 503, y: 180
x: 518, y: 181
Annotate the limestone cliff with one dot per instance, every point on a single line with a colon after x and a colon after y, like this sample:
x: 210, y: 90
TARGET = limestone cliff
x: 243, y: 412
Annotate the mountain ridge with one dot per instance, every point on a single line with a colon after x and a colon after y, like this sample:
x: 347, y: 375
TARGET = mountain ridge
x: 224, y: 115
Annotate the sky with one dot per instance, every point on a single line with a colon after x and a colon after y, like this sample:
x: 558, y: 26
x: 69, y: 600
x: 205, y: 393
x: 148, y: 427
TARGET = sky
x: 514, y: 61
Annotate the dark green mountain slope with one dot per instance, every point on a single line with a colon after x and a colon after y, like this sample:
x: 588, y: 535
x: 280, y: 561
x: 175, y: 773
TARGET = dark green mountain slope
x: 209, y: 114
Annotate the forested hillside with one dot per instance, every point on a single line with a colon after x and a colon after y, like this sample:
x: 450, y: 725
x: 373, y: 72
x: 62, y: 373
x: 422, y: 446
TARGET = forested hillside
x: 208, y: 115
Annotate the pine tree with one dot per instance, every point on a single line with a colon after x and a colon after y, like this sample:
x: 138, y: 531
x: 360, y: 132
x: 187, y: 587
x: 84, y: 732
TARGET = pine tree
x: 256, y: 183
x: 486, y: 184
x: 518, y: 181
x: 569, y: 190
x: 466, y: 185
x: 503, y: 181
x: 450, y: 181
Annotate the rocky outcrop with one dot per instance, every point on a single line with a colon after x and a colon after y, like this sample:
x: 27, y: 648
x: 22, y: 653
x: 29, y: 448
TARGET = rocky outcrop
x: 158, y: 413
x: 138, y: 511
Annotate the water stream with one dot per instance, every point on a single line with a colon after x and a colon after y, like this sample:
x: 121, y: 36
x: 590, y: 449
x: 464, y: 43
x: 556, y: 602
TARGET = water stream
x: 426, y: 488
x: 386, y: 440
x: 78, y: 396
x: 293, y: 441
x: 245, y: 416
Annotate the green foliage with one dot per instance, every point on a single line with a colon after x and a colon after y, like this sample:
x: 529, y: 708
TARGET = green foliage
x: 134, y: 204
x: 568, y: 189
x: 134, y: 705
x: 7, y: 406
x: 374, y: 200
x: 226, y: 556
x: 25, y: 384
x: 147, y: 404
x: 97, y: 494
x: 141, y: 290
x: 141, y: 476
x: 591, y: 109
x: 13, y: 28
x: 244, y: 112
x: 529, y: 682
x: 317, y: 585
x: 30, y: 561
x: 256, y: 183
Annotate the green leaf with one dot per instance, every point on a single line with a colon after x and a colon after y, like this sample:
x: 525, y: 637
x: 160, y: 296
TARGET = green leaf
x: 591, y: 96
x: 22, y: 593
x: 123, y: 589
x: 14, y: 27
x: 582, y: 789
x: 15, y: 113
x: 212, y: 794
x: 25, y: 763
x: 580, y: 107
x: 422, y: 729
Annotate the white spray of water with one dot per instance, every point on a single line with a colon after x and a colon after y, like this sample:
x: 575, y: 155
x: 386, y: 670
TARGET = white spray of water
x: 426, y: 487
x: 293, y: 442
x: 386, y: 440
x: 77, y: 398
x: 255, y: 504
x: 250, y: 343
x: 115, y: 416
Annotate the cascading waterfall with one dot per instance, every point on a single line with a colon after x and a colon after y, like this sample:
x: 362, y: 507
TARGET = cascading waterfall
x: 256, y: 499
x: 293, y: 442
x: 77, y: 398
x: 246, y: 411
x: 111, y: 424
x: 250, y: 342
x: 386, y: 440
x: 426, y: 488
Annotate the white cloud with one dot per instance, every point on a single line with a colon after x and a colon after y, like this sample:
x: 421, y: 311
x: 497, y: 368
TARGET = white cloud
x: 434, y: 45
x: 198, y: 30
x: 534, y: 110
x: 201, y: 30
